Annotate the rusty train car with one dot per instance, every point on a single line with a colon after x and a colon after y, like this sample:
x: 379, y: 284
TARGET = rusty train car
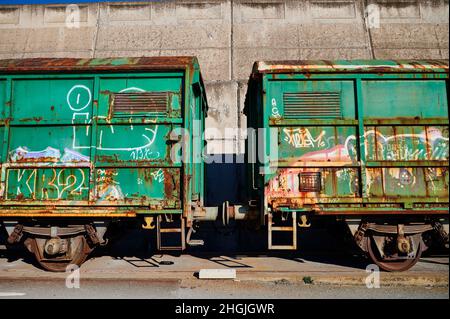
x: 363, y: 141
x: 89, y: 143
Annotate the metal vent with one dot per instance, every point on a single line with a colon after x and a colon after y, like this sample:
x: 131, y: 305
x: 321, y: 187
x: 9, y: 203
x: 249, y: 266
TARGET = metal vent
x: 306, y: 105
x: 141, y: 102
x: 309, y: 182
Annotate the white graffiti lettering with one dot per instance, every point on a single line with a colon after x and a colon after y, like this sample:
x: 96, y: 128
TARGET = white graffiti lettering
x: 302, y: 138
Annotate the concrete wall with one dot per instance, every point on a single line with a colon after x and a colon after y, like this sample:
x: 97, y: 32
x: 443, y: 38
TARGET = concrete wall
x: 228, y: 36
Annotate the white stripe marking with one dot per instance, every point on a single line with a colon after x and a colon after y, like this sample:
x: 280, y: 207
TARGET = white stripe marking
x: 11, y: 294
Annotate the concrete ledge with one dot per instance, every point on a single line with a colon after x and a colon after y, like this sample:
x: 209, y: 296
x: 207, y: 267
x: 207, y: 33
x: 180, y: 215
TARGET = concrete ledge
x: 217, y: 274
x: 423, y: 279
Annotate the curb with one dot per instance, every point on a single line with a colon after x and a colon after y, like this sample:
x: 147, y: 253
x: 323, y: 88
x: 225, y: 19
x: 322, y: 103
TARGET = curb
x: 344, y: 279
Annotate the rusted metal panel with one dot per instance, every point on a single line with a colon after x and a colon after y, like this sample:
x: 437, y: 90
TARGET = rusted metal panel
x: 350, y: 66
x: 140, y: 64
x: 157, y: 188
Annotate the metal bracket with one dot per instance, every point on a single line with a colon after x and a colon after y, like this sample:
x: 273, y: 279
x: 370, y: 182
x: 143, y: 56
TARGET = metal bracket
x: 359, y: 236
x: 193, y: 242
x: 148, y: 223
x: 92, y: 234
x: 16, y: 235
x: 443, y: 236
x: 303, y: 222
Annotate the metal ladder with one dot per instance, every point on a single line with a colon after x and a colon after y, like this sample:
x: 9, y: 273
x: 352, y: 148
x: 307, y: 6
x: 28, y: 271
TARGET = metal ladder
x: 293, y: 229
x: 160, y: 231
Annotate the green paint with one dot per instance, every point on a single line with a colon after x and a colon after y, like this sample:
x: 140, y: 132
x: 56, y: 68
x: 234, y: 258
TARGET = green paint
x: 66, y: 146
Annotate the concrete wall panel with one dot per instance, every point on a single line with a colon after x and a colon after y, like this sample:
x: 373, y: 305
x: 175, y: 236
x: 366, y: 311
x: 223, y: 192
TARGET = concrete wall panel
x: 228, y: 36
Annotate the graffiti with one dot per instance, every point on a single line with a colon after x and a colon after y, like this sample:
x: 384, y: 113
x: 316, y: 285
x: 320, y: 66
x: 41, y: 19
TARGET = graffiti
x: 158, y: 175
x: 143, y: 154
x: 430, y: 144
x: 350, y: 177
x: 437, y: 179
x: 22, y: 154
x: 336, y: 153
x: 275, y: 111
x: 72, y: 156
x: 77, y: 130
x: 107, y: 137
x: 107, y: 187
x: 148, y: 136
x: 407, y: 181
x: 147, y: 141
x: 31, y: 177
x: 403, y: 176
x: 63, y: 183
x: 74, y: 97
x: 78, y: 98
x: 47, y: 184
x: 302, y: 138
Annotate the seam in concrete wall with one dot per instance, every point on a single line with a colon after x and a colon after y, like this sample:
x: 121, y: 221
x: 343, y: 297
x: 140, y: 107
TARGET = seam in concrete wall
x: 367, y: 28
x: 97, y: 23
x: 231, y: 39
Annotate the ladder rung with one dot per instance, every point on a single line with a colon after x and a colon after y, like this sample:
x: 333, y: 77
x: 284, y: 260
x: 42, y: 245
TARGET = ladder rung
x: 290, y: 247
x: 170, y: 247
x: 283, y: 228
x: 170, y: 230
x: 178, y: 230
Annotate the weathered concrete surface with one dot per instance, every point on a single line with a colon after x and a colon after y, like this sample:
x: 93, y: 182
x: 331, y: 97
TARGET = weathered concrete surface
x: 228, y: 36
x: 323, y: 268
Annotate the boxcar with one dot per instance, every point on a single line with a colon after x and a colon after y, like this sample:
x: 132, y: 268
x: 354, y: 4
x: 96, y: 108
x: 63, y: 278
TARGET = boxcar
x: 364, y: 141
x: 89, y: 141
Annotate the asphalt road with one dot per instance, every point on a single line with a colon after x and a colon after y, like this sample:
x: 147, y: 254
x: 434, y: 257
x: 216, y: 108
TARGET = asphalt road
x: 211, y: 289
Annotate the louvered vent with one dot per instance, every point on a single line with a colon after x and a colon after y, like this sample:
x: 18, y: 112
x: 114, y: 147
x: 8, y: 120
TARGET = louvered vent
x: 310, y: 182
x: 141, y: 102
x: 306, y: 105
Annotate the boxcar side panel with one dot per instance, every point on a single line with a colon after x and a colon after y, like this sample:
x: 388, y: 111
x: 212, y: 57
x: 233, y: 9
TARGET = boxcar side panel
x: 356, y: 138
x: 95, y: 139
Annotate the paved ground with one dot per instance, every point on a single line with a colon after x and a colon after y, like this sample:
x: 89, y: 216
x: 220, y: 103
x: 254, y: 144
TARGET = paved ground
x: 258, y: 276
x: 195, y: 289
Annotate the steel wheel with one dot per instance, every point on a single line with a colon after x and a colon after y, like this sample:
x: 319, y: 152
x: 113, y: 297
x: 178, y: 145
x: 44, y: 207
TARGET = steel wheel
x: 78, y: 253
x: 391, y: 265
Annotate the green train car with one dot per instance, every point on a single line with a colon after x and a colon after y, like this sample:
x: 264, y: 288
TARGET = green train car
x: 89, y: 141
x: 92, y: 143
x: 366, y: 142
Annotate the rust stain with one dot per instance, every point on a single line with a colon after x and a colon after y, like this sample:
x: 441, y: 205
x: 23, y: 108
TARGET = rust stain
x: 110, y: 64
x: 359, y: 66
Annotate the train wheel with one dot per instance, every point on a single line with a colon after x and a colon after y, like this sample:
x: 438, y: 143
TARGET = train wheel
x: 56, y: 254
x: 393, y: 262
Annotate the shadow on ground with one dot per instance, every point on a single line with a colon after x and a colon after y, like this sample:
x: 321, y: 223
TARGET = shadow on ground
x: 226, y: 247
